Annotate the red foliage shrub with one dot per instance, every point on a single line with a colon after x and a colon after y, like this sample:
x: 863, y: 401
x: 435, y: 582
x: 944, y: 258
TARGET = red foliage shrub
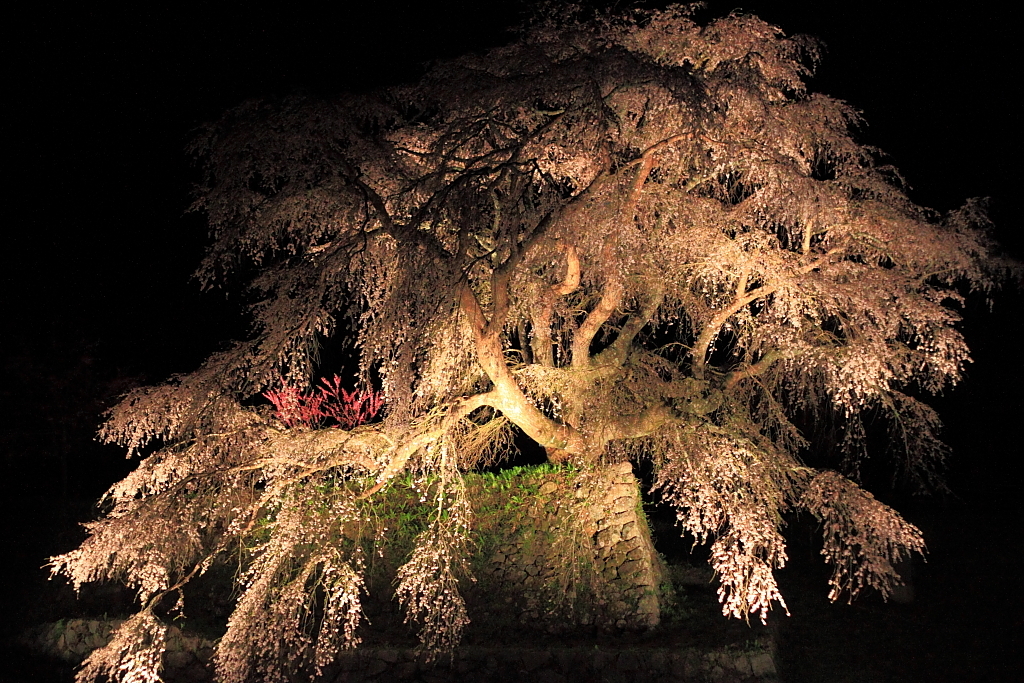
x: 311, y: 409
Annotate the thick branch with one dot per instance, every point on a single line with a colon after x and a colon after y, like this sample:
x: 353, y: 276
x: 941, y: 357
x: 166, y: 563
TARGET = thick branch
x: 755, y: 369
x: 302, y: 449
x: 617, y: 351
x: 647, y: 155
x: 707, y: 336
x: 647, y: 422
x: 542, y: 341
x: 400, y: 458
x: 611, y: 298
x: 506, y: 395
x: 572, y: 274
x: 702, y: 348
x: 638, y: 183
x: 400, y: 231
x: 743, y: 281
x: 613, y: 293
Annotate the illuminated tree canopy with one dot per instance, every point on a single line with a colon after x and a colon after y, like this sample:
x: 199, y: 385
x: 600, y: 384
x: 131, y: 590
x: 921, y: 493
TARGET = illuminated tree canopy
x: 631, y: 237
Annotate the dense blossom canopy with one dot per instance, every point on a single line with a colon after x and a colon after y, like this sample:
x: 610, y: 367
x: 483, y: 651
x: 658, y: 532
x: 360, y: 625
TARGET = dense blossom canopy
x: 630, y: 237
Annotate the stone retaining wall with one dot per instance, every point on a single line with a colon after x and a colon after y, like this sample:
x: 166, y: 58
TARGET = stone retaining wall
x: 585, y: 557
x: 187, y: 659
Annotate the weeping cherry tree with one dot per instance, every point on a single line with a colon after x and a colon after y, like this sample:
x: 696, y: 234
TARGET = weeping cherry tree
x: 629, y: 237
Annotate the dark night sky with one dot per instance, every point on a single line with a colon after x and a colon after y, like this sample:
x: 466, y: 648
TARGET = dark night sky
x: 97, y: 249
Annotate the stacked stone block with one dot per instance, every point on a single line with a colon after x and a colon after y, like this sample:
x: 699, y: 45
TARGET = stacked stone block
x: 625, y: 557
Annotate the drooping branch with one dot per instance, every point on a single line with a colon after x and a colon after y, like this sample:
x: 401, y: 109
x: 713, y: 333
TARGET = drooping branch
x: 646, y: 158
x: 398, y: 230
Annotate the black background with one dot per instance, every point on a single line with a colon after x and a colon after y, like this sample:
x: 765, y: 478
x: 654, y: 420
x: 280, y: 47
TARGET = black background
x: 98, y: 250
